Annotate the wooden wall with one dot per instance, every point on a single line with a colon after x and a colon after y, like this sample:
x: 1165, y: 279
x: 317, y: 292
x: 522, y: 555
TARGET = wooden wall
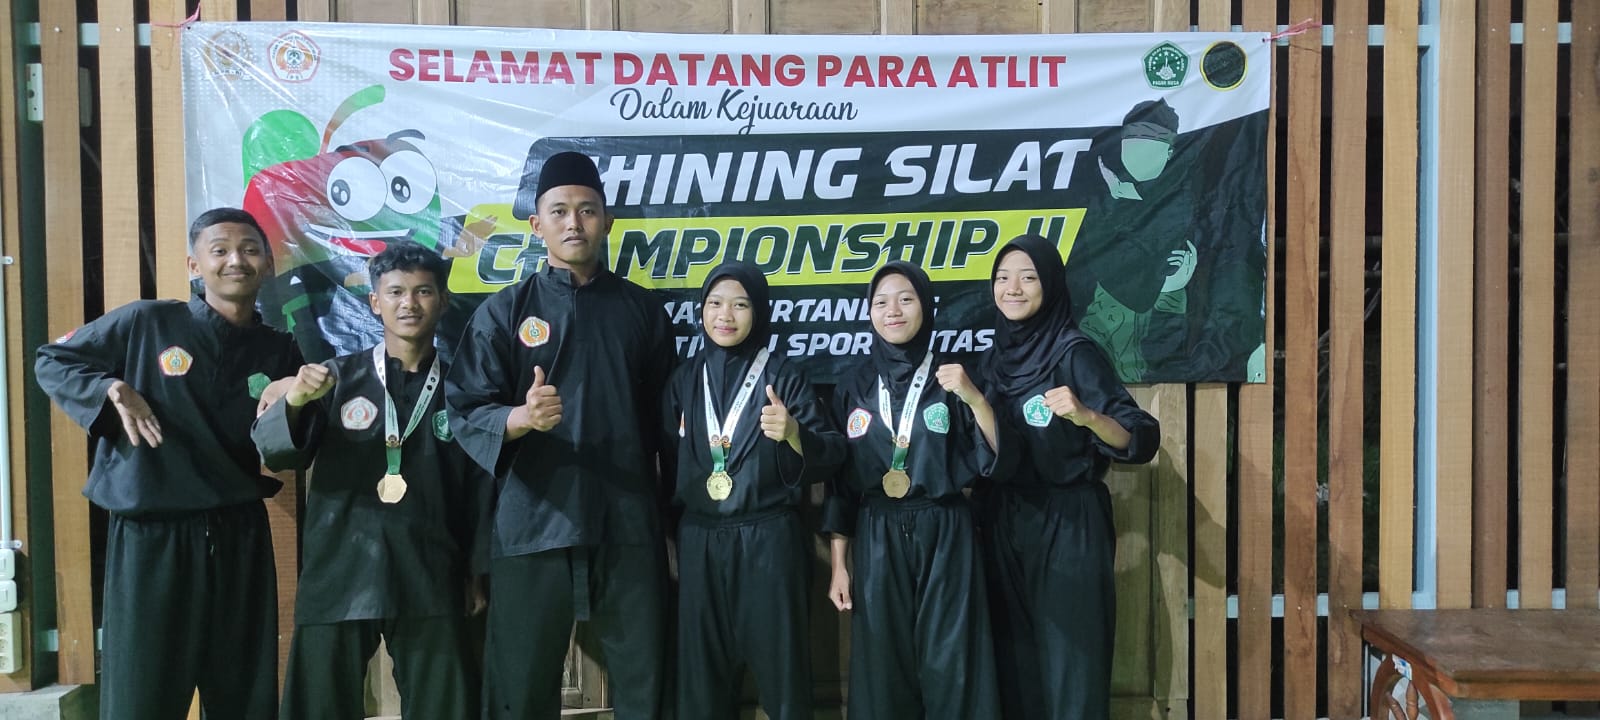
x: 1277, y: 480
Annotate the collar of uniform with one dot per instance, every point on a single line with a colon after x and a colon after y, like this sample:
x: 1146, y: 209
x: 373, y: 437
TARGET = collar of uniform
x: 562, y: 277
x: 203, y: 312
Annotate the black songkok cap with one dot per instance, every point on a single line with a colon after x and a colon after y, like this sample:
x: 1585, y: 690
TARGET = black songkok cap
x: 570, y: 168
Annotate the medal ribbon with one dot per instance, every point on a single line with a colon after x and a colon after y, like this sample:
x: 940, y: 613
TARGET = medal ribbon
x: 392, y: 438
x: 908, y: 414
x: 722, y: 441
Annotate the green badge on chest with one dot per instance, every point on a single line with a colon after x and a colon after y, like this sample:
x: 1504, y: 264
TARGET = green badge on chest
x: 1036, y: 412
x: 441, y: 426
x: 258, y: 384
x: 937, y: 418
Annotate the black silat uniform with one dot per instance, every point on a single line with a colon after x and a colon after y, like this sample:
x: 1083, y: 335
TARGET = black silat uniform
x: 190, y: 585
x: 577, y: 527
x: 920, y: 645
x: 1048, y: 525
x: 371, y: 569
x: 744, y: 562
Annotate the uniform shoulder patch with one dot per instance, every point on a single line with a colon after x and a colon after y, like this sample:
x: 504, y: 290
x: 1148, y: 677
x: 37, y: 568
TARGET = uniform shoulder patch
x: 441, y: 427
x: 937, y: 418
x: 1036, y: 413
x: 358, y: 413
x: 176, y: 361
x: 67, y: 336
x: 860, y: 420
x: 534, y: 331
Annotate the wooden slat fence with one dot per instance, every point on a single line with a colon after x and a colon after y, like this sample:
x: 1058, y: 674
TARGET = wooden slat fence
x: 1301, y: 492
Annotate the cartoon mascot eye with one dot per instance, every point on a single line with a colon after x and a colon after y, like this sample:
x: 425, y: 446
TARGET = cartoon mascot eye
x: 356, y: 189
x: 410, y: 180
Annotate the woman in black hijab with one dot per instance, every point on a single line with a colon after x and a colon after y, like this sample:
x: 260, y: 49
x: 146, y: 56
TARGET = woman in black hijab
x: 919, y: 433
x: 1050, y: 540
x: 752, y: 437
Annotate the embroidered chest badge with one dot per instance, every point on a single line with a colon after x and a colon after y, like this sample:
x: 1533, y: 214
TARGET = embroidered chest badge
x: 937, y: 418
x: 176, y: 361
x: 534, y: 332
x: 1036, y: 413
x: 258, y: 384
x: 860, y: 420
x: 441, y: 427
x: 358, y: 414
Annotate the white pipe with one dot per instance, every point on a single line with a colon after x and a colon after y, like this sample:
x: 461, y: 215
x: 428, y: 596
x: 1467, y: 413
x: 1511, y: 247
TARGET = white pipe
x: 7, y: 541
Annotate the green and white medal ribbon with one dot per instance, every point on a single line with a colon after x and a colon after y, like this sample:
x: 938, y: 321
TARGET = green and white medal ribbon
x: 393, y: 487
x: 896, y: 483
x: 719, y: 485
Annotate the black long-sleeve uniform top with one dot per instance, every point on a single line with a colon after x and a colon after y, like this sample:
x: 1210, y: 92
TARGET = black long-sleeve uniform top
x: 767, y: 474
x: 1060, y: 453
x: 362, y: 558
x: 195, y: 370
x: 607, y: 349
x: 940, y: 464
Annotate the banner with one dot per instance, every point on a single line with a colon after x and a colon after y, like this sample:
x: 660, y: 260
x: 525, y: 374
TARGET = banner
x: 1143, y: 157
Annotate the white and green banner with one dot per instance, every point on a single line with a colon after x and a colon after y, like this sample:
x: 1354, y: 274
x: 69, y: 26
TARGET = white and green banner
x: 819, y: 158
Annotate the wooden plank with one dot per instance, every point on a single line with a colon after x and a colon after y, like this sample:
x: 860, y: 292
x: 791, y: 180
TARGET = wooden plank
x: 58, y: 52
x: 1583, y: 313
x: 375, y: 11
x: 433, y: 12
x: 17, y: 357
x: 1252, y: 675
x: 1347, y: 260
x: 119, y: 151
x: 853, y: 17
x: 221, y: 11
x: 314, y: 10
x: 1210, y: 511
x: 751, y: 16
x: 1491, y: 302
x: 511, y: 13
x: 1302, y: 252
x: 1453, y: 452
x: 898, y: 17
x: 600, y: 14
x: 1536, y: 370
x: 1058, y: 16
x: 1170, y: 547
x: 167, y: 150
x: 1115, y: 16
x: 1398, y: 342
x: 697, y: 16
x: 1496, y: 653
x: 269, y: 10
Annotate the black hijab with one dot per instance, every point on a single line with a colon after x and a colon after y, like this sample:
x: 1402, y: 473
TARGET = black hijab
x: 897, y: 363
x: 1030, y: 349
x: 726, y: 367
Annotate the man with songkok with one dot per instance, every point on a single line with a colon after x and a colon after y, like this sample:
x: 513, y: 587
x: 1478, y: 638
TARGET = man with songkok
x: 393, y: 510
x: 555, y: 389
x: 167, y: 391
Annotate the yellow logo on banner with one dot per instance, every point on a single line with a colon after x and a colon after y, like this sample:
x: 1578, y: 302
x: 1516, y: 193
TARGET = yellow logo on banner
x: 678, y: 252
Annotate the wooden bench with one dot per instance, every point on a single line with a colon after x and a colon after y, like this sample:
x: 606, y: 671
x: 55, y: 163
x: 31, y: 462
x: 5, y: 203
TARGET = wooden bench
x: 1480, y: 664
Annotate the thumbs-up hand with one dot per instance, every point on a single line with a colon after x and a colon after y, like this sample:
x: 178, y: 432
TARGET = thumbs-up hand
x: 776, y: 422
x: 542, y: 407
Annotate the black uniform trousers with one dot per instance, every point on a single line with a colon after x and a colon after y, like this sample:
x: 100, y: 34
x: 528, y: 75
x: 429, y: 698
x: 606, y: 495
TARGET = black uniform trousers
x: 191, y: 600
x: 620, y: 590
x: 920, y: 645
x: 1054, y: 592
x: 742, y: 601
x: 328, y: 666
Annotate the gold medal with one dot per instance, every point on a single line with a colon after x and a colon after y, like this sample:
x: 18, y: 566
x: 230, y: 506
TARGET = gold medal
x: 391, y: 488
x: 719, y: 486
x: 896, y: 484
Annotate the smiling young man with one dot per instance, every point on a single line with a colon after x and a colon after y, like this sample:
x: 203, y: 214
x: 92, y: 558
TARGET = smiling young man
x: 556, y: 388
x: 168, y: 390
x: 393, y: 510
